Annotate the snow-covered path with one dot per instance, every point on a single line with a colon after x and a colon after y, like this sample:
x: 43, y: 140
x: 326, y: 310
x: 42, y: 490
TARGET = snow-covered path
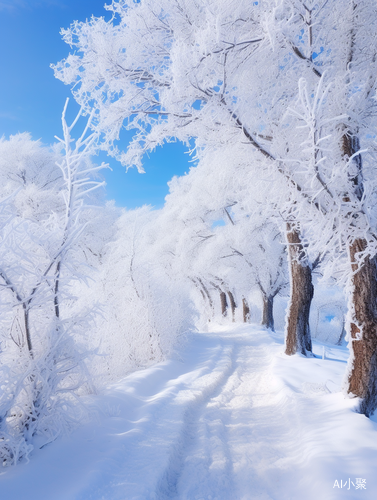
x: 232, y: 419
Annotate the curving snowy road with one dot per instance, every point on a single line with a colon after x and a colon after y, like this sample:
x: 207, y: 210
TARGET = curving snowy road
x: 233, y: 418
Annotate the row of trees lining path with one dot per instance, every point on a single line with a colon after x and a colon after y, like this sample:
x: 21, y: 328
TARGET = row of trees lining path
x: 293, y: 85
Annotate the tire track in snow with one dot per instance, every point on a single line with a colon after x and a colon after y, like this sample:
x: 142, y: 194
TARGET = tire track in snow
x: 132, y: 469
x: 232, y: 419
x: 208, y: 470
x: 265, y: 430
x: 228, y: 430
x: 210, y: 432
x: 203, y: 391
x: 201, y: 460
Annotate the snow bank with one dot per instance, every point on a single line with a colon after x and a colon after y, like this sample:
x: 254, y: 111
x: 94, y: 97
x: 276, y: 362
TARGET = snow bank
x: 231, y: 418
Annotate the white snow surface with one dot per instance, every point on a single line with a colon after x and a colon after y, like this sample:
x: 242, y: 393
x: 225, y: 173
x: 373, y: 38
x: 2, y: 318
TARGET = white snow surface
x: 231, y: 417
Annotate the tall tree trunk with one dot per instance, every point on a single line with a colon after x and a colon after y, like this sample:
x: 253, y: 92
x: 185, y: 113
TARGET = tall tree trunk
x: 362, y: 380
x: 224, y: 304
x: 297, y: 337
x: 362, y: 364
x: 268, y: 312
x: 245, y: 310
x: 232, y: 305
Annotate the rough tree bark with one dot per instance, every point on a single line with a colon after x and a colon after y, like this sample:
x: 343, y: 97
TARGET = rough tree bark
x: 297, y: 335
x: 232, y: 305
x: 224, y: 304
x: 268, y: 312
x: 245, y: 310
x: 223, y: 301
x: 362, y: 380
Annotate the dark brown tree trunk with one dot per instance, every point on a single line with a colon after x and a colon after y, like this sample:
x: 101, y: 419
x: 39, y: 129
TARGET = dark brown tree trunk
x: 297, y: 338
x: 362, y: 381
x: 245, y: 310
x: 268, y: 312
x: 224, y: 304
x: 232, y: 305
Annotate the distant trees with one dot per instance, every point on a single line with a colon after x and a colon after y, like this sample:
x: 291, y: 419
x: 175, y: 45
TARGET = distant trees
x: 143, y: 301
x: 227, y: 240
x: 293, y: 84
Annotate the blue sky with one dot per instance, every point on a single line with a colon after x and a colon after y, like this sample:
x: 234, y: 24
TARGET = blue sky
x: 31, y: 99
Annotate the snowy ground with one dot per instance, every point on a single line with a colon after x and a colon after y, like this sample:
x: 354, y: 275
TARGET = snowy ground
x: 233, y: 418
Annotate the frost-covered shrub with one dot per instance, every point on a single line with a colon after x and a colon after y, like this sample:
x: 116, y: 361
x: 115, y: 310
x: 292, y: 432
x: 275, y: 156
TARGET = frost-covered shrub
x: 144, y: 307
x: 39, y: 396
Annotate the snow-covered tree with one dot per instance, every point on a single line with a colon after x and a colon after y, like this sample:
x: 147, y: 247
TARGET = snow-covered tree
x: 332, y: 157
x: 42, y: 361
x: 144, y: 304
x: 294, y: 81
x: 227, y: 239
x: 197, y: 70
